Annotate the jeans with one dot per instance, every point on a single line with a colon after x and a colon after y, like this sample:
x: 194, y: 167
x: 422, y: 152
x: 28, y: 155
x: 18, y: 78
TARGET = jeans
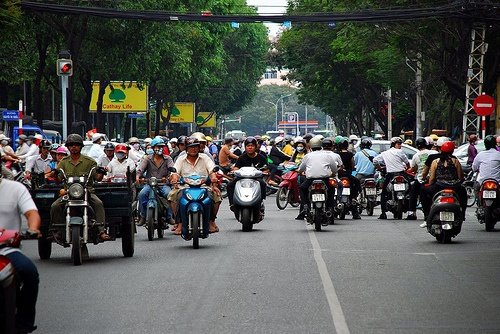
x: 144, y: 198
x: 27, y: 273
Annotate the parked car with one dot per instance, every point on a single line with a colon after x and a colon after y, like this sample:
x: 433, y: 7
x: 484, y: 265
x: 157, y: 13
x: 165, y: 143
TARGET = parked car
x: 461, y: 154
x: 87, y: 144
x: 383, y: 145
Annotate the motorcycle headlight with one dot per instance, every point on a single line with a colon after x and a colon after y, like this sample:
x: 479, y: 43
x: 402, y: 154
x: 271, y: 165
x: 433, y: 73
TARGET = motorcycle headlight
x: 76, y: 190
x: 153, y: 182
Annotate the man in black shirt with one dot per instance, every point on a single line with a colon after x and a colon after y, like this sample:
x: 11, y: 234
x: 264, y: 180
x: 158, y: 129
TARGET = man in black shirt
x: 249, y: 158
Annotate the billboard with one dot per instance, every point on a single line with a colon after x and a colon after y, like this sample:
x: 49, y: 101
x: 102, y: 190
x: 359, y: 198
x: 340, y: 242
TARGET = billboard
x: 183, y: 112
x: 206, y: 120
x: 121, y: 97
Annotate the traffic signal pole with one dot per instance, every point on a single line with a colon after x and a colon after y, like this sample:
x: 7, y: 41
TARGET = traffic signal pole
x: 64, y: 90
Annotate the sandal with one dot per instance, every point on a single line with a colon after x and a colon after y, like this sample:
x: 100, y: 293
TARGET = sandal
x: 104, y: 237
x: 174, y: 227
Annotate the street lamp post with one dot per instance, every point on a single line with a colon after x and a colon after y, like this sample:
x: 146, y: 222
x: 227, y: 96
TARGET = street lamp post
x: 276, y: 108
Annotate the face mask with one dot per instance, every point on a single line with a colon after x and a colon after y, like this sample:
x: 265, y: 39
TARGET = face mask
x: 158, y: 151
x: 4, y: 142
x: 149, y: 151
x: 136, y: 146
x: 300, y: 148
x: 120, y: 155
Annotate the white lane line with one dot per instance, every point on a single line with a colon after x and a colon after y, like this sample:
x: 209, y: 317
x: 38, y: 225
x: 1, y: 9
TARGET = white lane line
x: 333, y: 301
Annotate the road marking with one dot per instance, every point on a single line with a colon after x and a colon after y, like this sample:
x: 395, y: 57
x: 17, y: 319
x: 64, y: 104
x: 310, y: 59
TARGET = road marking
x: 333, y: 301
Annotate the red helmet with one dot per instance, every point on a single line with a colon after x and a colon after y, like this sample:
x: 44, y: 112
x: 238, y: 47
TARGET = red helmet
x: 448, y: 147
x: 121, y: 148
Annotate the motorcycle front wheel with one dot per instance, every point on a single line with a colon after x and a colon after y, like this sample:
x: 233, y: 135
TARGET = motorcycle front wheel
x: 195, y: 224
x: 246, y: 222
x: 282, y: 198
x: 76, y: 247
x: 151, y: 223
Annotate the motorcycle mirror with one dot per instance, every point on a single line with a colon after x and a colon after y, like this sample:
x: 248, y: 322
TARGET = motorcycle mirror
x: 172, y: 170
x: 216, y: 169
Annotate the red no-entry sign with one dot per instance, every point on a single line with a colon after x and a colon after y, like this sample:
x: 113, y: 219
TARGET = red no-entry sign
x: 484, y: 105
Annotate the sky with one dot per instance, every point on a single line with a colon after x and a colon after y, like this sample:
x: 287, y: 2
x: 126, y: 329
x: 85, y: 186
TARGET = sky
x: 270, y: 7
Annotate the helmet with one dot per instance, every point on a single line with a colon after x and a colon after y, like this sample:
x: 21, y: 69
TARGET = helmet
x: 299, y: 141
x: 181, y: 140
x: 472, y: 138
x: 441, y: 141
x: 208, y: 138
x: 97, y: 136
x: 366, y: 143
x: 54, y: 147
x: 434, y: 137
x: 252, y: 140
x: 307, y: 137
x: 448, y: 146
x: 133, y: 140
x: 74, y: 139
x: 192, y: 141
x: 173, y: 140
x: 62, y: 149
x: 38, y: 136
x: 278, y: 140
x: 22, y: 137
x: 109, y: 147
x: 148, y: 140
x: 315, y: 143
x: 157, y: 141
x: 352, y: 138
x: 421, y: 142
x: 396, y: 140
x: 45, y: 144
x: 121, y: 148
x: 489, y: 142
x: 288, y: 139
x: 409, y: 142
x: 327, y: 143
x: 321, y: 137
x: 429, y: 141
x: 200, y: 136
x: 228, y: 140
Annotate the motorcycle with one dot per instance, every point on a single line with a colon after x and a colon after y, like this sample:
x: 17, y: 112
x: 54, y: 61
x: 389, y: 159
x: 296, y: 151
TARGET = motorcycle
x: 248, y: 204
x: 321, y: 211
x: 8, y: 284
x: 488, y: 211
x: 444, y: 220
x: 223, y: 180
x: 344, y: 204
x: 368, y: 196
x: 288, y: 191
x: 195, y: 208
x: 273, y: 187
x: 399, y: 196
x: 156, y: 210
x: 468, y: 184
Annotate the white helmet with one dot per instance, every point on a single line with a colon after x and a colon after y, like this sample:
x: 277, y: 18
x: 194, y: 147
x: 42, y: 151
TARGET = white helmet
x: 97, y: 136
x: 320, y: 137
x: 441, y: 141
x: 297, y: 139
x: 148, y: 140
x: 278, y: 140
x: 173, y: 140
x: 353, y: 137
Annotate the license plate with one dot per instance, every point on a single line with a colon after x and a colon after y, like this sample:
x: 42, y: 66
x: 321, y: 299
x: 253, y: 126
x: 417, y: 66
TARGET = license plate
x: 399, y: 187
x: 45, y: 195
x: 489, y: 194
x: 318, y: 197
x: 446, y: 216
x: 371, y: 191
x: 346, y: 191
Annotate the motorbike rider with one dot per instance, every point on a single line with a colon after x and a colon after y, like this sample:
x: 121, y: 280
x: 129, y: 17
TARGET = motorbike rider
x: 276, y: 157
x: 107, y: 155
x: 39, y: 164
x: 445, y: 172
x: 288, y: 148
x: 33, y: 150
x: 300, y: 151
x: 77, y: 164
x: 17, y: 200
x: 195, y: 163
x: 487, y: 162
x: 498, y: 143
x: 353, y: 141
x: 50, y: 174
x: 181, y: 147
x: 363, y: 160
x: 417, y: 165
x: 317, y: 164
x: 22, y: 145
x: 173, y: 145
x: 120, y: 163
x: 154, y: 166
x: 135, y: 152
x: 213, y: 149
x: 225, y: 155
x: 96, y: 150
x: 471, y: 149
x: 396, y: 162
x: 348, y: 163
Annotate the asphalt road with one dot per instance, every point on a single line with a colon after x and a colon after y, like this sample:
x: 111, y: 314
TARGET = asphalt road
x: 357, y: 276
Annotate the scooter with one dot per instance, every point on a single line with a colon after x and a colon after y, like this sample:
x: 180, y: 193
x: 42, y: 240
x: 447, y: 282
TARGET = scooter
x: 444, y: 220
x: 321, y: 199
x: 195, y: 208
x: 368, y: 195
x: 156, y: 214
x: 488, y: 210
x: 399, y: 196
x: 344, y: 204
x: 248, y: 204
x: 288, y: 191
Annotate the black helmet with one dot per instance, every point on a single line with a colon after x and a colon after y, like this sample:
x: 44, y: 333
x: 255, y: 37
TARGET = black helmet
x: 192, y: 141
x: 228, y: 140
x: 181, y: 140
x: 45, y: 143
x: 109, y: 146
x: 250, y: 140
x: 74, y: 139
x: 288, y: 139
x: 490, y: 142
x: 421, y: 143
x: 327, y: 143
x: 307, y: 137
x: 366, y: 143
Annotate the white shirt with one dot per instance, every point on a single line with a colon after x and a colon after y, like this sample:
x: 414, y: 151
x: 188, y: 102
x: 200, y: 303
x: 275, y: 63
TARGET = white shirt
x: 135, y: 155
x: 419, y: 160
x: 22, y: 149
x: 394, y: 159
x: 37, y: 164
x: 103, y: 160
x: 320, y: 164
x: 115, y: 167
x: 16, y: 201
x: 95, y: 151
x: 202, y: 166
x: 488, y: 165
x: 33, y: 151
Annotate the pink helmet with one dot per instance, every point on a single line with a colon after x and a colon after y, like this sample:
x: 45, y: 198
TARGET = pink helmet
x: 62, y: 149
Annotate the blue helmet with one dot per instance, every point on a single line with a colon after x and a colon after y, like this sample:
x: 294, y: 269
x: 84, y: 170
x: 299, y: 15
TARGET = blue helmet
x: 157, y: 141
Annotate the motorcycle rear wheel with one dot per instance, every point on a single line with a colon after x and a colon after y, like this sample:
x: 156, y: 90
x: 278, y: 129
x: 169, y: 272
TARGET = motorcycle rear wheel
x: 151, y: 223
x: 444, y: 237
x: 369, y: 208
x: 76, y: 247
x: 399, y: 211
x: 128, y: 237
x: 44, y: 248
x: 489, y: 224
x: 317, y: 220
x: 471, y: 195
x: 282, y: 198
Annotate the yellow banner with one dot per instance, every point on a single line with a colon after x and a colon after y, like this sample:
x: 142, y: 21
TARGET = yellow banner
x: 121, y: 97
x: 183, y: 112
x: 206, y: 120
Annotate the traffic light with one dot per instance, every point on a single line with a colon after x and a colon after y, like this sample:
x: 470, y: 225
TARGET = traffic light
x: 64, y: 67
